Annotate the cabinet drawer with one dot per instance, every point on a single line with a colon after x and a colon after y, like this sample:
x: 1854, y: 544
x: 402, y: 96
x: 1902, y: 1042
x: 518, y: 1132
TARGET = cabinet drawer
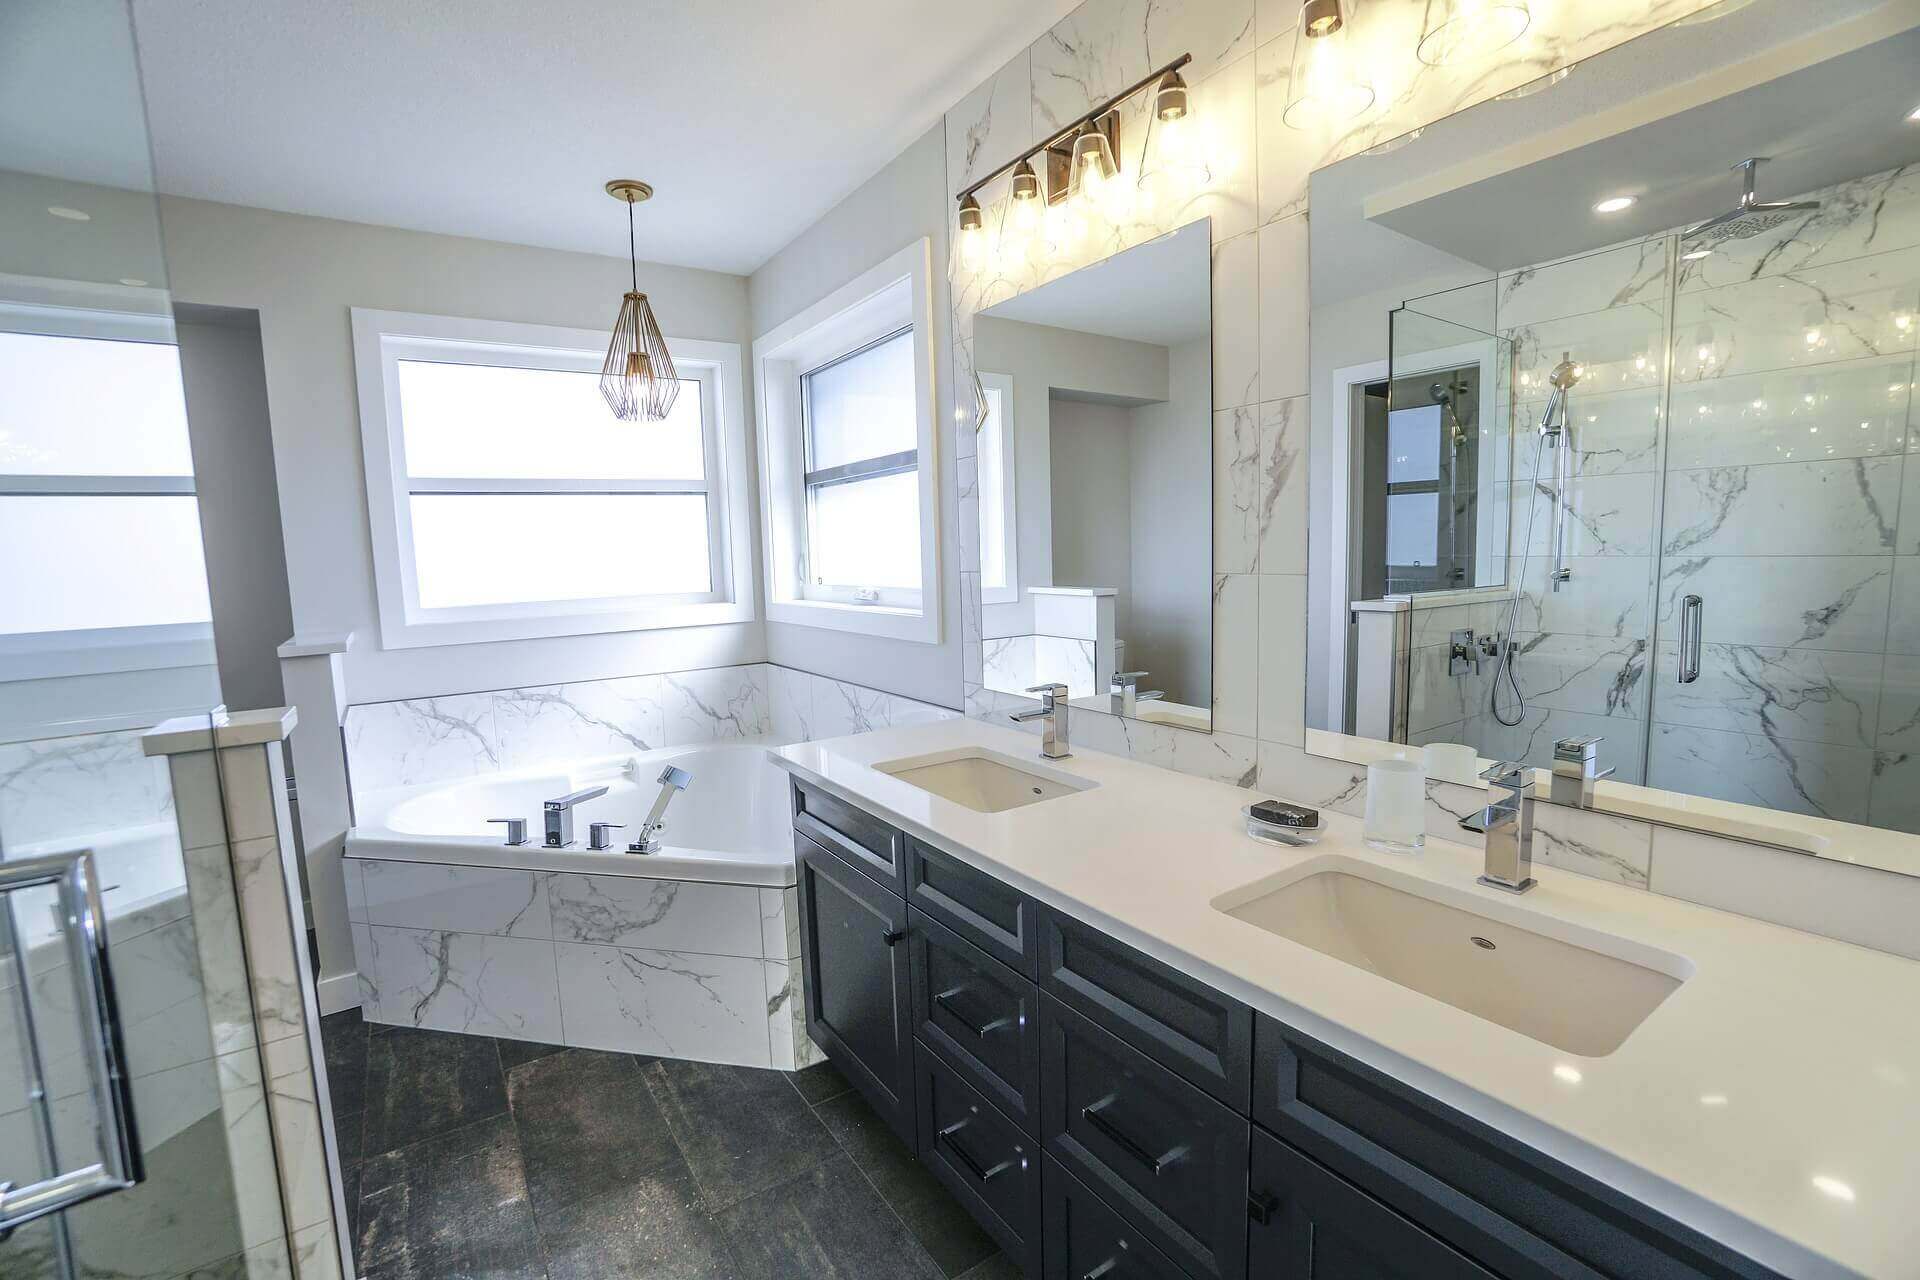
x: 858, y: 980
x: 1086, y: 1239
x: 984, y: 1020
x: 1171, y: 1159
x: 859, y: 837
x: 1307, y: 1223
x: 1186, y: 1026
x: 983, y: 1158
x: 1510, y: 1207
x: 986, y: 912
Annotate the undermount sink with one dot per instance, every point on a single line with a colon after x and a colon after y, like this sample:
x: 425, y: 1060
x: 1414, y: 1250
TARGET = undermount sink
x: 984, y: 781
x: 1574, y: 997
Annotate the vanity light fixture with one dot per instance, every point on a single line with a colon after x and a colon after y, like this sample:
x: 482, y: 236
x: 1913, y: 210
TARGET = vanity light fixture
x: 1456, y: 30
x: 1079, y: 160
x: 637, y: 378
x: 1325, y: 86
x: 1615, y: 204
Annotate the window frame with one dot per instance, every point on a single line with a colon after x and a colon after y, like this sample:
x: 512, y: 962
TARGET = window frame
x: 382, y: 339
x: 1002, y: 384
x: 102, y: 313
x: 890, y: 298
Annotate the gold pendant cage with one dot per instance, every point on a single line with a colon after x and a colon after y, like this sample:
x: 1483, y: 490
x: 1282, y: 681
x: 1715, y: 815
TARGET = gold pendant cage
x: 637, y: 378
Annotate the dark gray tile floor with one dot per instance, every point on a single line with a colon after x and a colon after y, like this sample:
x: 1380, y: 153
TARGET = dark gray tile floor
x: 478, y: 1159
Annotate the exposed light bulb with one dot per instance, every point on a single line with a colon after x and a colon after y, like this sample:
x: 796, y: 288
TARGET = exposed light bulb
x: 1325, y: 86
x: 973, y: 234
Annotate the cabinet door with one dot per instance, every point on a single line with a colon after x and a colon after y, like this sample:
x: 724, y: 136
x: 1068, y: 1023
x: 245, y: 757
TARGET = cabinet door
x: 856, y: 972
x: 1308, y: 1224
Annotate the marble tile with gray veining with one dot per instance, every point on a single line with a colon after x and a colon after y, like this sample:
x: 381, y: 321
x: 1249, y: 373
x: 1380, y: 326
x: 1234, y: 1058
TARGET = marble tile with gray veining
x: 990, y: 125
x: 1775, y: 773
x: 1611, y: 515
x: 1236, y: 490
x: 1098, y: 50
x: 790, y: 703
x: 397, y: 744
x: 583, y: 719
x: 715, y: 704
x: 1601, y: 676
x: 1223, y: 757
x: 424, y: 895
x: 1812, y: 695
x: 1874, y: 214
x: 58, y: 787
x: 669, y: 1003
x: 1630, y: 274
x: 1281, y: 487
x: 672, y: 915
x: 1811, y: 317
x: 1593, y: 844
x: 1813, y: 602
x: 1842, y: 409
x: 1842, y: 508
x: 1614, y: 433
x: 438, y: 980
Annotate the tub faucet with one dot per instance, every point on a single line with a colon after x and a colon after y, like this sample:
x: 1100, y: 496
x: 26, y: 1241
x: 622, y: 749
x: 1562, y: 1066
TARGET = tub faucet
x: 1052, y: 714
x: 672, y: 782
x: 1507, y: 822
x: 559, y: 815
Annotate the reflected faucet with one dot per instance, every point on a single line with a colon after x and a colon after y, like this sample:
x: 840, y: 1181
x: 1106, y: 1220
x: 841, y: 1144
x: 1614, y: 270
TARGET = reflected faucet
x: 1576, y: 767
x: 1124, y: 692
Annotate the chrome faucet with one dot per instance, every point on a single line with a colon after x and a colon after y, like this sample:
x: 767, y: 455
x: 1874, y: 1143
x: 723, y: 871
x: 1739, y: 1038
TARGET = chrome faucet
x: 1576, y: 767
x: 1052, y: 714
x: 1125, y: 694
x: 1508, y: 823
x: 673, y: 780
x: 559, y: 815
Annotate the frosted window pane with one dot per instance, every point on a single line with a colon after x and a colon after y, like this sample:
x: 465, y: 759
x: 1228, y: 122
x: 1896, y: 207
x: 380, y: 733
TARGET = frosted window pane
x: 77, y: 563
x: 863, y: 406
x: 1413, y: 444
x: 88, y: 406
x: 501, y: 423
x: 472, y: 549
x: 990, y: 448
x: 1413, y: 527
x: 867, y: 533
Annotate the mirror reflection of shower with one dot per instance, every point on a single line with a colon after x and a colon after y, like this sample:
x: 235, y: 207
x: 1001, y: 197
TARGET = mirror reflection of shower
x: 1557, y: 438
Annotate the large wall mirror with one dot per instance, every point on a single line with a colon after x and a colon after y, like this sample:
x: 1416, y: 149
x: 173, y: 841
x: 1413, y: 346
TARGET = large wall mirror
x: 1613, y: 416
x: 1096, y: 484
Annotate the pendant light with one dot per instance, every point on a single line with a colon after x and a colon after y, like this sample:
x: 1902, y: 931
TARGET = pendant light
x: 1325, y: 86
x: 638, y: 378
x: 1456, y: 30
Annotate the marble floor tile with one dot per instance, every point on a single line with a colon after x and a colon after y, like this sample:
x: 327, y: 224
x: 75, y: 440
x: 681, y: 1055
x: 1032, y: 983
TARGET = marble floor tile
x: 652, y: 1227
x: 742, y: 1130
x: 453, y: 1206
x: 827, y: 1223
x: 587, y: 1122
x: 998, y: 1267
x: 343, y: 1038
x: 944, y: 1229
x: 421, y: 1084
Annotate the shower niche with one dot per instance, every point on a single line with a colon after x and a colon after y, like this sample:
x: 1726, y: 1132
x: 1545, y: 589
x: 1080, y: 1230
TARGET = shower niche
x: 1612, y: 427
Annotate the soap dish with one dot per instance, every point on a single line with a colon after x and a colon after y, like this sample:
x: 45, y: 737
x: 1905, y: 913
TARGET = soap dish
x: 1291, y: 833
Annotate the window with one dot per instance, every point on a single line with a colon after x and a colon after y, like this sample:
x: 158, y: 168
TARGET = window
x: 507, y: 500
x: 98, y: 515
x: 846, y: 415
x: 999, y: 531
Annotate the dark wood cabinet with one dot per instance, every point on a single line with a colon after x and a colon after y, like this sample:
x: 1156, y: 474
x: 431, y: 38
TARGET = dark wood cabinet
x: 981, y: 1017
x: 988, y: 1162
x: 858, y: 979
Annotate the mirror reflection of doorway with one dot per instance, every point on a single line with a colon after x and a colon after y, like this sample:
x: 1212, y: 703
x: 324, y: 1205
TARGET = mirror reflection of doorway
x: 1420, y: 479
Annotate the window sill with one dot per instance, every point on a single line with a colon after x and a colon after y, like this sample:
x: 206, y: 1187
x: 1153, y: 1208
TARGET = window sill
x: 422, y: 633
x: 914, y: 625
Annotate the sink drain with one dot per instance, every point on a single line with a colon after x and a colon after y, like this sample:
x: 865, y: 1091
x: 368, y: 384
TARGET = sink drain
x: 1482, y: 943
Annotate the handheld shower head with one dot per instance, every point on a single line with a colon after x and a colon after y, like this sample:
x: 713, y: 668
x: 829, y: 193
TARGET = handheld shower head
x: 1751, y: 216
x: 1566, y: 373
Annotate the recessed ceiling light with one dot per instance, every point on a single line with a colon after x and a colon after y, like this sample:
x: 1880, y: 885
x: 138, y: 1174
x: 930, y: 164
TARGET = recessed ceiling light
x: 71, y: 215
x: 1694, y: 255
x: 1829, y: 1185
x: 1614, y: 204
x: 133, y: 282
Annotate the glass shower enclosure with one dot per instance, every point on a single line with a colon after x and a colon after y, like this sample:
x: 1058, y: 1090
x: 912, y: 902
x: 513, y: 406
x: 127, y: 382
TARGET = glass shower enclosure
x: 1720, y: 579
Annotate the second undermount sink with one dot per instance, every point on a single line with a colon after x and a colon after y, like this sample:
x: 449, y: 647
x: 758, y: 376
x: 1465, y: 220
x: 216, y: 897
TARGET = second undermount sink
x: 982, y: 780
x: 1562, y: 991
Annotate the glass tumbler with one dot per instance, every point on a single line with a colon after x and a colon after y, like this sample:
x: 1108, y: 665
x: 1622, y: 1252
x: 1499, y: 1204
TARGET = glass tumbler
x: 1396, y: 806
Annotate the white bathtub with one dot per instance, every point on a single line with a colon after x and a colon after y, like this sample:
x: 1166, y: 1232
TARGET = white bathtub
x: 692, y: 952
x: 730, y: 826
x: 142, y: 882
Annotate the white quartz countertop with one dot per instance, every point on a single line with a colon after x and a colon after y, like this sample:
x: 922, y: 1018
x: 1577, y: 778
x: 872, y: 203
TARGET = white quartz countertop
x: 1772, y: 1102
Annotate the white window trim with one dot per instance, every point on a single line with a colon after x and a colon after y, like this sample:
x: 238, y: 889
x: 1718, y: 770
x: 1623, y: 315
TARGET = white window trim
x: 113, y: 313
x: 382, y: 338
x: 892, y: 295
x: 1009, y: 594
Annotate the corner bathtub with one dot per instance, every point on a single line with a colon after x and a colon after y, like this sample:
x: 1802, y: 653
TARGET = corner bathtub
x: 691, y: 952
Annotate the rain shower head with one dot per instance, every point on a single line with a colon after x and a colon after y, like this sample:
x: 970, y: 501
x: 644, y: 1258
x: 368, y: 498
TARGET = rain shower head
x: 1751, y: 216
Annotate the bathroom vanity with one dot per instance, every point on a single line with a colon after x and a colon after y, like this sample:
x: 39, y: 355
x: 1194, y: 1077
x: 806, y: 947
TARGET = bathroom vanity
x: 1137, y: 1043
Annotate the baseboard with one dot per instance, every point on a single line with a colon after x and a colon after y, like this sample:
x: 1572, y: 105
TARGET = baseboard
x: 340, y: 992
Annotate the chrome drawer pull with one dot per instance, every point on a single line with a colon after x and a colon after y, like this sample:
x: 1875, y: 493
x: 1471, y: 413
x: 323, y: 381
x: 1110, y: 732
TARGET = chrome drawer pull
x: 1104, y: 1269
x: 1092, y: 1115
x: 945, y: 1000
x: 946, y: 1137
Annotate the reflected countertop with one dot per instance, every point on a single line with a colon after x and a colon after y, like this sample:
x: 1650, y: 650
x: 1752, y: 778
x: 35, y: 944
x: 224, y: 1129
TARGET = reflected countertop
x: 1771, y: 1103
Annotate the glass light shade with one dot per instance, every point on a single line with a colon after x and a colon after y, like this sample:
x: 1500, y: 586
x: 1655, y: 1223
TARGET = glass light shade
x: 1093, y: 166
x: 1456, y: 30
x: 1326, y: 85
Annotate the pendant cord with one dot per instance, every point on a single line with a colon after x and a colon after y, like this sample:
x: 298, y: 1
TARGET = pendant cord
x: 633, y: 259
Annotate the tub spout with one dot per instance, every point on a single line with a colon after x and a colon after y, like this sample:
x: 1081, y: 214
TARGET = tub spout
x: 673, y: 781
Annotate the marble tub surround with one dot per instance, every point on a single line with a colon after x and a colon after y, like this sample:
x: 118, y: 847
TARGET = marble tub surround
x: 1707, y: 1112
x: 631, y: 963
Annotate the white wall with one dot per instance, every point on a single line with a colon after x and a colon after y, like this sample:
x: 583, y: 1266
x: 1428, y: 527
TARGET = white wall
x: 1169, y: 630
x: 302, y: 275
x: 898, y: 205
x: 1089, y: 531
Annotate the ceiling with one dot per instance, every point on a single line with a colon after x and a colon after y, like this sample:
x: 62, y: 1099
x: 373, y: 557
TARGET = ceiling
x: 1159, y: 292
x: 502, y: 119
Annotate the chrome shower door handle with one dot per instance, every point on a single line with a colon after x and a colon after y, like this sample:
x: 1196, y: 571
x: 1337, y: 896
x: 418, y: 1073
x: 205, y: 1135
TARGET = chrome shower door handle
x: 1690, y: 612
x: 114, y: 1163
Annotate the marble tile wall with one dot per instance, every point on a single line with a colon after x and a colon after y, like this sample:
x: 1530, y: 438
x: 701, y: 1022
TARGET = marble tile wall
x: 666, y: 967
x: 1017, y: 663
